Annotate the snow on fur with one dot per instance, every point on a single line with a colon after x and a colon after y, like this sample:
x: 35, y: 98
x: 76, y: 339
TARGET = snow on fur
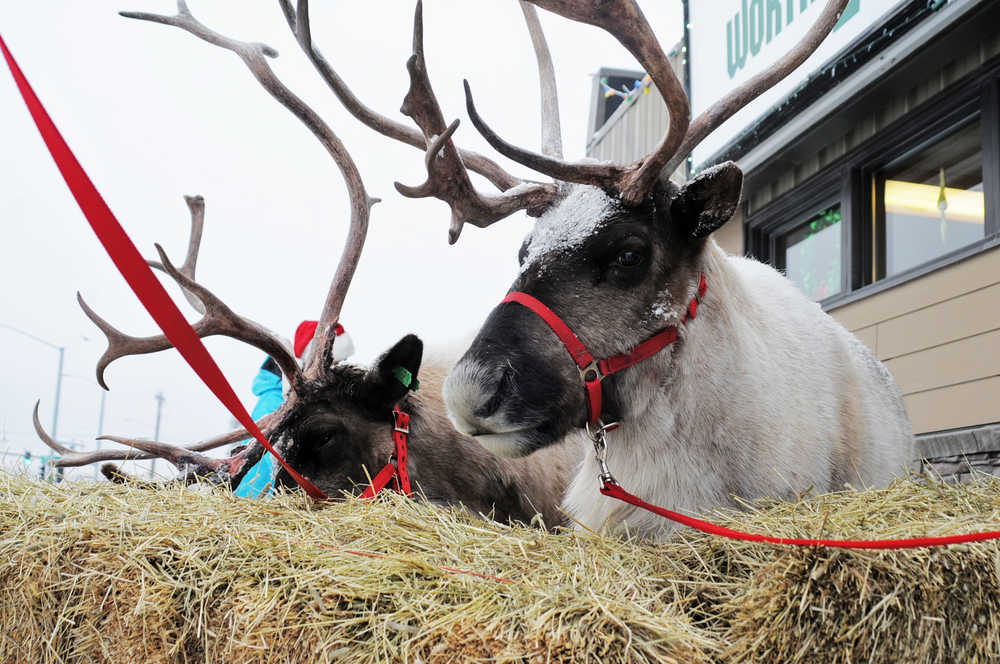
x: 568, y: 224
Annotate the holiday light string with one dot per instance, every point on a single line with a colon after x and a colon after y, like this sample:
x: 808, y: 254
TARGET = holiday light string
x: 625, y: 94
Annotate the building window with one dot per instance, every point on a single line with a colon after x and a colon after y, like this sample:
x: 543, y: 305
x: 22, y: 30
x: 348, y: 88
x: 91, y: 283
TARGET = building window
x: 921, y: 193
x: 812, y: 254
x: 930, y: 201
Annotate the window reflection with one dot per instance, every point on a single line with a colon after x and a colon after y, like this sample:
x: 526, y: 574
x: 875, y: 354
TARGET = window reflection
x: 933, y: 200
x: 812, y: 254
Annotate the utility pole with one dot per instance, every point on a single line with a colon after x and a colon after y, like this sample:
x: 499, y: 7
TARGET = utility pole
x: 55, y: 407
x: 100, y: 431
x: 156, y: 434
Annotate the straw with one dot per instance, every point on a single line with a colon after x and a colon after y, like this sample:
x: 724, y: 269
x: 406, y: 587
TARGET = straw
x: 108, y: 573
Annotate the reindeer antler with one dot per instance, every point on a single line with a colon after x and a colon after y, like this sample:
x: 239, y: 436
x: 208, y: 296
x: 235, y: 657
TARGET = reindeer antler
x: 298, y: 21
x: 551, y: 127
x: 722, y: 110
x: 447, y: 178
x: 71, y: 458
x: 447, y: 174
x: 254, y: 57
x: 217, y: 318
x: 196, y: 204
x: 624, y: 20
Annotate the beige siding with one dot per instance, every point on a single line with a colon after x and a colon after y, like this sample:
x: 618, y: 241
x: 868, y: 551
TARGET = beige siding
x: 633, y: 130
x: 638, y: 126
x: 955, y: 406
x: 939, y: 335
x: 964, y: 316
x: 947, y: 283
x: 730, y: 236
x: 868, y: 336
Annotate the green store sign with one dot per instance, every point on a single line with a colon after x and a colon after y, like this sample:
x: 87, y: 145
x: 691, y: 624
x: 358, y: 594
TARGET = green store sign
x: 760, y: 21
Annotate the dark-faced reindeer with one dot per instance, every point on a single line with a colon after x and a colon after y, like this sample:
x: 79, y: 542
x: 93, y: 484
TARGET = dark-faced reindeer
x: 723, y: 380
x: 336, y: 424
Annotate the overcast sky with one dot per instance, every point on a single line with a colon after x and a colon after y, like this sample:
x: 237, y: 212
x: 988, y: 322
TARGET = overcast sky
x: 153, y: 114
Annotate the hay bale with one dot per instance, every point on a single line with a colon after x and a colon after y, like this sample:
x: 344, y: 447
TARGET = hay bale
x: 115, y: 574
x: 832, y: 605
x: 111, y: 573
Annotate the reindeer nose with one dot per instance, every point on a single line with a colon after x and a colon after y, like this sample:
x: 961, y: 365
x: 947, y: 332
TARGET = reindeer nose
x: 498, y: 390
x: 475, y: 392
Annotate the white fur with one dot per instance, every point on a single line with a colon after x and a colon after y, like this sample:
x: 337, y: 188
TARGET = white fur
x: 568, y: 224
x: 765, y: 396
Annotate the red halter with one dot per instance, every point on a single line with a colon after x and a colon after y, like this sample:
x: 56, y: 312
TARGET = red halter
x: 395, y: 469
x: 592, y: 371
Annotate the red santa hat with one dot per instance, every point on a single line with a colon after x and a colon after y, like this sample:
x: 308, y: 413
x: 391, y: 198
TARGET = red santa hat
x: 343, y: 347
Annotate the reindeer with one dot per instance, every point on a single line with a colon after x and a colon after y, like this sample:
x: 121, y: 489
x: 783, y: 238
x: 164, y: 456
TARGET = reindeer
x: 720, y: 380
x: 337, y: 422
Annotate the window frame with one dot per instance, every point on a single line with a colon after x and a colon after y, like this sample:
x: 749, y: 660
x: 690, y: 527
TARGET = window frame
x: 848, y: 181
x: 873, y: 186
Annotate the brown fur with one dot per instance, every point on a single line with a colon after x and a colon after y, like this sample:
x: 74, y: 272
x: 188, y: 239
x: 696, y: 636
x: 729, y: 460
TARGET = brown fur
x: 340, y: 434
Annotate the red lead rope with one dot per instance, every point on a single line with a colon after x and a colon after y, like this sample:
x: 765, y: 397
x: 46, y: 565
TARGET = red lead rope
x: 614, y: 490
x: 140, y: 278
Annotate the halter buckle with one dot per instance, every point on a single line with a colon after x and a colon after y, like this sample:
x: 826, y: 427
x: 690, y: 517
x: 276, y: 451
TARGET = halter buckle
x: 395, y: 424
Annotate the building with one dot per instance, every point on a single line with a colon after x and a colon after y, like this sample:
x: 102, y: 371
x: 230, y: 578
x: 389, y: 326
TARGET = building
x: 873, y: 181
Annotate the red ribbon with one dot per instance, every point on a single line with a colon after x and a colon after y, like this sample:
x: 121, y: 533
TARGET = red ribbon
x: 137, y: 273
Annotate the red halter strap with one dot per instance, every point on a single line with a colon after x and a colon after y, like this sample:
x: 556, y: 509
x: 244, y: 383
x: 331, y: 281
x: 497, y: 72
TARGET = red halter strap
x: 592, y: 372
x: 395, y: 469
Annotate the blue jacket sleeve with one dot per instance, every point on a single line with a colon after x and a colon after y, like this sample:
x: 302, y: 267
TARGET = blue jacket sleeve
x: 267, y: 388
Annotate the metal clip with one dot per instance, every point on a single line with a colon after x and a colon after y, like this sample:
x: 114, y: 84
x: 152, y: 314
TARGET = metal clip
x: 599, y: 437
x: 602, y: 430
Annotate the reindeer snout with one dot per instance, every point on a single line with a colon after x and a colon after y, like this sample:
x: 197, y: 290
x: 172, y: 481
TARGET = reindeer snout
x: 474, y: 393
x: 500, y: 388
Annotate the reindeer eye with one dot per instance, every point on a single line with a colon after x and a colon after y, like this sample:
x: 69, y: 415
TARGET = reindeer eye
x: 628, y: 258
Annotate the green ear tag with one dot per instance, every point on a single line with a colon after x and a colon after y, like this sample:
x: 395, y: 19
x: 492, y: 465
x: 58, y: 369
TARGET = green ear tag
x: 404, y: 376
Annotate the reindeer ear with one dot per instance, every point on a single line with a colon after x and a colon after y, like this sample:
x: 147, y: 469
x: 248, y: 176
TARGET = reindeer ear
x: 395, y: 373
x: 709, y: 200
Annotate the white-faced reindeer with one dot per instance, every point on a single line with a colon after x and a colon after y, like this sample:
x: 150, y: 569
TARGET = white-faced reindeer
x: 336, y: 424
x: 725, y: 382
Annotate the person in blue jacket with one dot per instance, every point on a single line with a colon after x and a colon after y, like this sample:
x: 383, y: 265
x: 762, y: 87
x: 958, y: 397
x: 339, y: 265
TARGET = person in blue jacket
x: 268, y: 389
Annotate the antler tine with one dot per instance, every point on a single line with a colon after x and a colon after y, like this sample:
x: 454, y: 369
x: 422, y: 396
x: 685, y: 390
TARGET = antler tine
x: 625, y: 22
x: 447, y: 178
x: 188, y: 460
x: 218, y: 319
x: 551, y: 129
x: 724, y: 109
x: 44, y: 435
x: 196, y: 204
x: 298, y: 21
x: 227, y: 470
x: 72, y: 459
x: 603, y: 175
x: 253, y: 56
